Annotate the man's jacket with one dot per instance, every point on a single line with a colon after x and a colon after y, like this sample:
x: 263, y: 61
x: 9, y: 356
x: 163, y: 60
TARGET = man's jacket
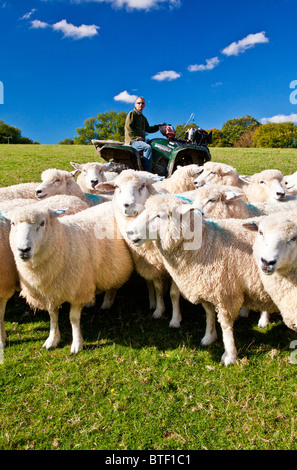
x: 136, y: 126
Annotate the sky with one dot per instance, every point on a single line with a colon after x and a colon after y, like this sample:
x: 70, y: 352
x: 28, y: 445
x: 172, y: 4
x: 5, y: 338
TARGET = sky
x: 63, y: 61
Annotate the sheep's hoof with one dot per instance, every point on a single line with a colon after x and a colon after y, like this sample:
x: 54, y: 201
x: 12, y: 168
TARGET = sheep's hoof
x: 207, y: 340
x: 228, y: 359
x: 51, y: 343
x: 174, y: 324
x: 75, y: 348
x: 157, y: 313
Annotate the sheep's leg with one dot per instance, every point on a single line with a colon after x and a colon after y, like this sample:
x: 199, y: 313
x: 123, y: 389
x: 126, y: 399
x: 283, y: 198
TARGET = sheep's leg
x: 108, y: 300
x: 152, y: 294
x: 264, y: 320
x: 3, y: 303
x: 176, y: 313
x: 230, y: 354
x: 54, y: 336
x: 77, y: 339
x: 160, y: 306
x: 210, y: 335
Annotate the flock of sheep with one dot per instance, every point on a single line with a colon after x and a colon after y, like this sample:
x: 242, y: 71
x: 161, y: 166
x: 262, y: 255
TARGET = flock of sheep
x: 67, y: 239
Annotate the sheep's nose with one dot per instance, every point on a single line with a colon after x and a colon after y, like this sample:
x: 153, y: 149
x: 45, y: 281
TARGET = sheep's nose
x: 94, y: 183
x: 24, y: 253
x: 280, y: 194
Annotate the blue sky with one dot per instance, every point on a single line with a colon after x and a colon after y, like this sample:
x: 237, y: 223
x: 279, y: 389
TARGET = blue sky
x: 65, y: 61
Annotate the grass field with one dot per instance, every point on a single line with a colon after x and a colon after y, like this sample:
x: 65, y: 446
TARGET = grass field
x: 138, y: 385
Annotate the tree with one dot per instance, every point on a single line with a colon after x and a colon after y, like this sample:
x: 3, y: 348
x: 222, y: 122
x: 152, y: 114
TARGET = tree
x: 106, y: 126
x: 276, y: 135
x: 233, y: 129
x: 218, y: 140
x: 67, y: 141
x: 12, y: 135
x: 246, y: 140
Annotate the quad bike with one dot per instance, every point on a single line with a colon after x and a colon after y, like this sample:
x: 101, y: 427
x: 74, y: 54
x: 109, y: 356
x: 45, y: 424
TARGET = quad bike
x: 168, y: 152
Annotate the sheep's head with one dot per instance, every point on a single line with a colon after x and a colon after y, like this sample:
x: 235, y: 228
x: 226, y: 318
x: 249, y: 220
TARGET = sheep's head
x: 268, y: 185
x: 275, y: 247
x: 290, y: 183
x: 28, y: 229
x: 216, y: 173
x: 54, y: 182
x: 216, y: 201
x: 131, y: 190
x: 92, y: 173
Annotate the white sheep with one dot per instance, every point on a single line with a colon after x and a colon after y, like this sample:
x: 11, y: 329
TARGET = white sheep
x: 131, y: 190
x: 290, y: 183
x: 9, y: 279
x: 91, y: 174
x: 275, y: 252
x: 260, y: 187
x: 216, y: 267
x: 181, y: 180
x: 67, y: 260
x: 8, y: 275
x: 21, y: 190
x: 62, y: 182
x: 218, y: 173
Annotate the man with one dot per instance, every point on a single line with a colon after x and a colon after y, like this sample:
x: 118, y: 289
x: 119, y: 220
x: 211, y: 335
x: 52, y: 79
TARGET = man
x: 136, y: 126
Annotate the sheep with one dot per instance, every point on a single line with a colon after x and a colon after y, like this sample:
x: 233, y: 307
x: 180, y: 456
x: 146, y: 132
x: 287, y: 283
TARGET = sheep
x: 131, y: 190
x: 21, y: 190
x: 62, y: 182
x: 275, y: 252
x: 67, y: 260
x: 9, y: 279
x: 216, y: 267
x: 290, y: 183
x: 91, y: 174
x: 260, y: 187
x: 8, y: 275
x: 73, y: 203
x: 181, y: 180
x: 218, y: 173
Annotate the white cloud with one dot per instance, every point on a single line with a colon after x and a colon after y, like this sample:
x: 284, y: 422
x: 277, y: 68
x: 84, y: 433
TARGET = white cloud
x: 280, y: 118
x: 125, y: 97
x: 210, y: 64
x: 246, y: 43
x: 26, y: 16
x: 135, y: 4
x: 168, y: 75
x: 36, y: 24
x: 68, y: 29
x: 76, y: 32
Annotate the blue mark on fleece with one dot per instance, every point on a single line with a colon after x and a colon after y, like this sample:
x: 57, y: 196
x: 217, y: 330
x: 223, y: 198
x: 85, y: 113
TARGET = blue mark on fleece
x: 94, y: 198
x: 254, y: 210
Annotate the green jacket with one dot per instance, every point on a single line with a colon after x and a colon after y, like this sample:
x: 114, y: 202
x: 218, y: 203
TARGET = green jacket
x: 136, y: 126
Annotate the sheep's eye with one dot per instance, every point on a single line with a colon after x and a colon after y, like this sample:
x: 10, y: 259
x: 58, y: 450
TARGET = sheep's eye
x: 42, y: 223
x: 58, y: 180
x: 293, y: 239
x: 141, y: 187
x: 211, y: 201
x: 260, y: 232
x: 12, y: 223
x: 262, y: 182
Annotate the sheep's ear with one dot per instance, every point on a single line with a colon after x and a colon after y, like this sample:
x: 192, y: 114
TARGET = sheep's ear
x: 105, y: 186
x: 246, y: 178
x: 233, y: 196
x: 227, y: 169
x: 252, y: 225
x: 77, y: 166
x: 57, y: 212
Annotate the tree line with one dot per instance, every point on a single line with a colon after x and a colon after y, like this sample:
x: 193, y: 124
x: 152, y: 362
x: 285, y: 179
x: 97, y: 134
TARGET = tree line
x: 245, y: 131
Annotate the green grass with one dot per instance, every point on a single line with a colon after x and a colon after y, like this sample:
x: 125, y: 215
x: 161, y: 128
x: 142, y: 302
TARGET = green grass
x: 137, y: 384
